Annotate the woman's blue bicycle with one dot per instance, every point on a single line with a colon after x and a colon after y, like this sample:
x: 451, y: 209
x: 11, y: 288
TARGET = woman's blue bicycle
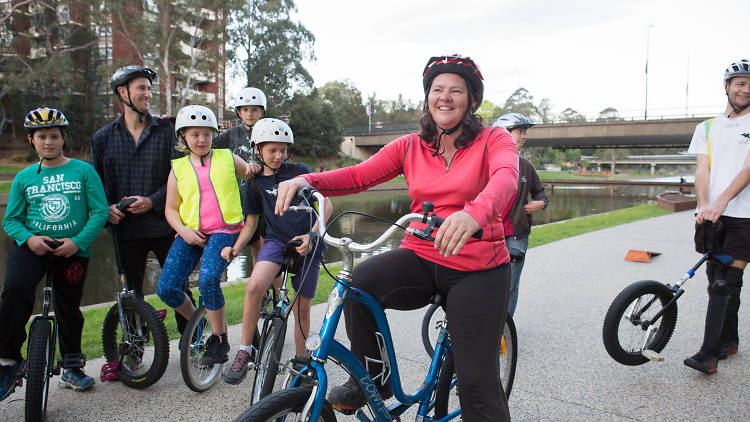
x: 305, y: 399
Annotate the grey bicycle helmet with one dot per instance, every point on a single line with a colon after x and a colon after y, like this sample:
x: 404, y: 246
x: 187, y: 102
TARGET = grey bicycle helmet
x: 512, y: 121
x: 738, y: 68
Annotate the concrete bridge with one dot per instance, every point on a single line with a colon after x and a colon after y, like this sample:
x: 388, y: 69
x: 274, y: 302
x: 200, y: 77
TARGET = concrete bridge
x: 652, y: 133
x: 645, y: 160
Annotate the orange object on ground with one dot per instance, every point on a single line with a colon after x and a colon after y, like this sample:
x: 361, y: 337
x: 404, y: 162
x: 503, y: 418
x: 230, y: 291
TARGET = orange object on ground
x: 635, y: 255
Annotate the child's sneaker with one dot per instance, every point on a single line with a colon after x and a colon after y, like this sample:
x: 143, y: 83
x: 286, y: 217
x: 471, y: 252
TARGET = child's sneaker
x: 76, y: 379
x: 702, y: 361
x: 236, y: 373
x: 8, y: 377
x: 217, y: 349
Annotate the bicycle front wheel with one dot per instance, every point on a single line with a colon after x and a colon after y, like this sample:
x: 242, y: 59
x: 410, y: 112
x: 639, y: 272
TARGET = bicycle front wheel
x: 192, y: 346
x: 623, y: 332
x: 508, y: 344
x: 267, y: 366
x: 284, y: 405
x: 142, y: 347
x: 39, y: 359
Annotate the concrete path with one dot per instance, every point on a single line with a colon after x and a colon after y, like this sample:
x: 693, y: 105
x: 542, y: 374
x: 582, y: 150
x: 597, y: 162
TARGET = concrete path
x: 564, y: 373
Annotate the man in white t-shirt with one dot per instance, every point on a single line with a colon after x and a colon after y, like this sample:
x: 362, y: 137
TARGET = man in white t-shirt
x: 722, y: 147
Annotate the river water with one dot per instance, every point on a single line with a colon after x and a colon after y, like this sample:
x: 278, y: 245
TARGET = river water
x: 565, y: 202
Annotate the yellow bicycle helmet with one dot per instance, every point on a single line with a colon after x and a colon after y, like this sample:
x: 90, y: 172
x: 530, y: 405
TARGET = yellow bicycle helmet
x: 44, y: 117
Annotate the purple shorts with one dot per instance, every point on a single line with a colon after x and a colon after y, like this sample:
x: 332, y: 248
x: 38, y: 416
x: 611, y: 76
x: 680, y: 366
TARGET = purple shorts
x: 273, y: 251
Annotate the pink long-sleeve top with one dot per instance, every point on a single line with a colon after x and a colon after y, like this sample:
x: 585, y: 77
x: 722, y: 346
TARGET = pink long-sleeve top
x: 481, y: 179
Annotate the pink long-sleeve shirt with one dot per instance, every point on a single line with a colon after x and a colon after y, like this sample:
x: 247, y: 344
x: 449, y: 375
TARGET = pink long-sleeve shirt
x: 481, y: 179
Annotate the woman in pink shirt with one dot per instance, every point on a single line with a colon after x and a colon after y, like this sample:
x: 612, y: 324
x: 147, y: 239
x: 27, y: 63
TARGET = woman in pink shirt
x: 203, y: 207
x: 469, y: 172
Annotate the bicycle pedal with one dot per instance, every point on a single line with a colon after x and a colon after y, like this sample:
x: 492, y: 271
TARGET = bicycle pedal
x: 652, y: 355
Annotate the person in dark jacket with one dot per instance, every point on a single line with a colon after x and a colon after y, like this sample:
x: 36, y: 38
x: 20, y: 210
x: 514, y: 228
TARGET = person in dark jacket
x: 529, y: 185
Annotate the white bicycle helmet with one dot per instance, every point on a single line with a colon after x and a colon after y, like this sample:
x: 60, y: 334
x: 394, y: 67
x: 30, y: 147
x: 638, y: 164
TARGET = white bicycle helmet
x: 512, y: 121
x: 271, y: 130
x: 195, y: 116
x: 250, y: 96
x: 738, y: 68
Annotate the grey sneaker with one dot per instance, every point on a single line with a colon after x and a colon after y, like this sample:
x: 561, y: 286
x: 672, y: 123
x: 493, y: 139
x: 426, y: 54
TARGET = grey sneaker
x: 75, y: 379
x: 235, y: 373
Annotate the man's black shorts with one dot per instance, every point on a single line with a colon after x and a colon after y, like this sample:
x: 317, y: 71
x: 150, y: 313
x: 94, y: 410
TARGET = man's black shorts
x: 736, y: 238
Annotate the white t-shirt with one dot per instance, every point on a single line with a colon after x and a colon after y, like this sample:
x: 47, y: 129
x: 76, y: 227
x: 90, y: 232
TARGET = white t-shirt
x: 730, y: 144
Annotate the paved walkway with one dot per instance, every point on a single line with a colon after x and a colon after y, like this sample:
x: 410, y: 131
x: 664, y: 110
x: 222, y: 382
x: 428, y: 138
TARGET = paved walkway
x: 564, y: 373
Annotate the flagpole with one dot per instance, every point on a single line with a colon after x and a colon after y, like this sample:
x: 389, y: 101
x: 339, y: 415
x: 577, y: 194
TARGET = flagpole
x: 648, y: 38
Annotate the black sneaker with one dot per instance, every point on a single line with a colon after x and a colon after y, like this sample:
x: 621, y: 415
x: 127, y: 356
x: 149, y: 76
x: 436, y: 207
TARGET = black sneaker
x: 728, y: 348
x: 348, y: 397
x: 8, y: 376
x: 217, y: 350
x: 702, y: 361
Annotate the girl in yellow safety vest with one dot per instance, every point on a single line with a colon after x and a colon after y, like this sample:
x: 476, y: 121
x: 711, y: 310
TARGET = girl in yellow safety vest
x: 203, y: 206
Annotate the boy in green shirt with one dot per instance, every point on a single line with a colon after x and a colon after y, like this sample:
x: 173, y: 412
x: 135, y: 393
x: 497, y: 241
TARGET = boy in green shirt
x: 60, y: 199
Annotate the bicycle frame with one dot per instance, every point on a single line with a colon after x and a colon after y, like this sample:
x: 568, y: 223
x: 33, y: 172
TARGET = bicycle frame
x: 47, y: 300
x: 331, y: 348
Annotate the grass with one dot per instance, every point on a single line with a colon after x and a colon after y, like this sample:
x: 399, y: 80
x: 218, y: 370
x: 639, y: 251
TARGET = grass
x: 5, y: 187
x: 10, y: 169
x: 234, y: 292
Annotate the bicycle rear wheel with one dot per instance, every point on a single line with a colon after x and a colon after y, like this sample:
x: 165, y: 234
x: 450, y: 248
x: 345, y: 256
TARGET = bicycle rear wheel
x: 192, y: 346
x: 142, y: 348
x: 38, y: 371
x: 285, y: 405
x: 623, y: 332
x: 267, y: 366
x: 508, y: 344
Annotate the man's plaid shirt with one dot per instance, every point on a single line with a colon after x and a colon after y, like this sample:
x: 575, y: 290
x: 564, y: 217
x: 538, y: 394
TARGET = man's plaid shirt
x: 128, y: 168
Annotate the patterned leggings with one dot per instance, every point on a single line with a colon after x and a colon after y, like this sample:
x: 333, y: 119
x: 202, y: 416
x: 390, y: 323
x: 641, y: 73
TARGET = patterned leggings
x: 181, y: 261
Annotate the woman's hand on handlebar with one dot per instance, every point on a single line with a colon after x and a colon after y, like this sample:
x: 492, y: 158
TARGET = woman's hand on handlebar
x: 455, y: 232
x: 287, y: 191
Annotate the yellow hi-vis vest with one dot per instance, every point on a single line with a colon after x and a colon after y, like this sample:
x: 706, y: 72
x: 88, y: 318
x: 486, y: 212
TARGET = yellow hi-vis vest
x: 224, y: 183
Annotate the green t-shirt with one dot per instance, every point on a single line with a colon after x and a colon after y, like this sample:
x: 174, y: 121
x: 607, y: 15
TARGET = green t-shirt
x: 67, y: 201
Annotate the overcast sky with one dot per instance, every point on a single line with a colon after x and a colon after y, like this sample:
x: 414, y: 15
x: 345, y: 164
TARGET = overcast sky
x: 587, y: 55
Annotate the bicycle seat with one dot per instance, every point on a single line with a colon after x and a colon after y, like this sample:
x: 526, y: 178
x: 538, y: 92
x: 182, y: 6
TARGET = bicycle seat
x: 291, y: 256
x: 124, y: 204
x: 438, y: 299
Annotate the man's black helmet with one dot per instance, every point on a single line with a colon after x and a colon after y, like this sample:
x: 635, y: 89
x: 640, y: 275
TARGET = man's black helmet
x: 125, y: 74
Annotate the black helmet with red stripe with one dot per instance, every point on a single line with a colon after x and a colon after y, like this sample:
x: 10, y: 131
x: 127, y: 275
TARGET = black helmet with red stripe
x: 459, y: 65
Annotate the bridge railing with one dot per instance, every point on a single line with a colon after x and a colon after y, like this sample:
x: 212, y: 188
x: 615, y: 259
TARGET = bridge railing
x: 399, y: 128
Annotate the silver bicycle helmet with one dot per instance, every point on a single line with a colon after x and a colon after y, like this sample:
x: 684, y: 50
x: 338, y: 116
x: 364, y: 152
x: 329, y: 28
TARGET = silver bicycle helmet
x: 271, y: 130
x: 249, y: 96
x: 512, y: 121
x: 738, y: 68
x: 195, y: 116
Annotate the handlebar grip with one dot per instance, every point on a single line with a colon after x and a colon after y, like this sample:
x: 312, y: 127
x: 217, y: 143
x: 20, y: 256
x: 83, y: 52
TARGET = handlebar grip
x: 306, y: 193
x: 54, y: 244
x: 439, y: 221
x: 124, y: 204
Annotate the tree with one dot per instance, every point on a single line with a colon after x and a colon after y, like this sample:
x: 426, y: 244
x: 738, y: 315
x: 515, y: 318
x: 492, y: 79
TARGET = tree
x: 570, y: 115
x: 488, y: 111
x: 544, y: 109
x: 272, y: 48
x: 609, y: 113
x: 316, y: 130
x: 46, y: 59
x: 521, y: 101
x: 346, y: 101
x: 181, y: 39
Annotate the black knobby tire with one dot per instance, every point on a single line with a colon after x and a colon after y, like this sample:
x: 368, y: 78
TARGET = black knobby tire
x: 622, y: 336
x: 283, y: 403
x: 508, y: 345
x: 142, y: 349
x: 267, y: 365
x: 38, y: 372
x: 197, y: 377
